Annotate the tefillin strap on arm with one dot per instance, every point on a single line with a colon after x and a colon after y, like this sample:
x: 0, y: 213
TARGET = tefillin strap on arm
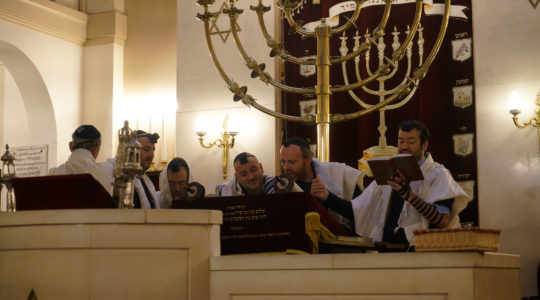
x: 429, y: 211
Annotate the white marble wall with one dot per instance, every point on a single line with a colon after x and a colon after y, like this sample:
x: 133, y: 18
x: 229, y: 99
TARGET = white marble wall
x: 58, y: 64
x: 506, y: 59
x: 202, y: 94
x: 108, y: 254
x: 366, y: 276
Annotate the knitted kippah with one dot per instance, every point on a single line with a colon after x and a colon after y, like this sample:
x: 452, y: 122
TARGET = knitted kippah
x: 86, y: 132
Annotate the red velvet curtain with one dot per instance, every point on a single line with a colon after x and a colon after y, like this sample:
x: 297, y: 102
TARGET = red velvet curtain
x: 444, y: 100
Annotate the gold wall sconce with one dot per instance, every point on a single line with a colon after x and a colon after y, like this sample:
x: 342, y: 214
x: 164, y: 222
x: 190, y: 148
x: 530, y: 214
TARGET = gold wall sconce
x: 514, y: 107
x: 226, y: 142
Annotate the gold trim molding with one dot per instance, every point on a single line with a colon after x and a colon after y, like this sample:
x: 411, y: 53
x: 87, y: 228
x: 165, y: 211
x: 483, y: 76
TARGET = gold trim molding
x: 46, y: 17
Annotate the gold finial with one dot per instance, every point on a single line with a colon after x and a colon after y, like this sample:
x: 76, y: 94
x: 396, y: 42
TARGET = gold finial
x: 7, y: 155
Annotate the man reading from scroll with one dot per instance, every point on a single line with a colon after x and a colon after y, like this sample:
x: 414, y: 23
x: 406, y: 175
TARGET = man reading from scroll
x: 249, y: 178
x: 332, y: 184
x: 145, y: 195
x: 391, y: 212
x: 85, y: 144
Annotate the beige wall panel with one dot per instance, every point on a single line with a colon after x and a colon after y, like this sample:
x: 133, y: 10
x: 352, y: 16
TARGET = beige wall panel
x: 116, y: 254
x: 150, y: 49
x: 452, y: 276
x: 140, y: 274
x: 41, y: 271
x: 506, y: 59
x: 150, y: 71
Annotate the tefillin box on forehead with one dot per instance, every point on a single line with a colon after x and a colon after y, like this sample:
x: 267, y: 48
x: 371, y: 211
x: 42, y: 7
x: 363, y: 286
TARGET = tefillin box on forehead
x: 267, y: 223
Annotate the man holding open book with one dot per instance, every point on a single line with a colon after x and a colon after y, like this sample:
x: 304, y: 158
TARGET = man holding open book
x: 390, y: 211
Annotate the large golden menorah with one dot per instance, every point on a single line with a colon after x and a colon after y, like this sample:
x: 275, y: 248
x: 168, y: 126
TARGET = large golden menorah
x: 322, y: 33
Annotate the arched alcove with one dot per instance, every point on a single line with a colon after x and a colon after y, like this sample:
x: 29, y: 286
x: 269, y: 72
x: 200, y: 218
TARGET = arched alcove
x: 37, y: 101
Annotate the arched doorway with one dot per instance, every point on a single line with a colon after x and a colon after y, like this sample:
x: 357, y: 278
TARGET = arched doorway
x: 41, y: 120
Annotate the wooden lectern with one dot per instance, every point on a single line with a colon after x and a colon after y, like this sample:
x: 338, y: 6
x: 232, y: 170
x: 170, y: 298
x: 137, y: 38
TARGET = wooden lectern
x: 267, y: 223
x: 60, y: 192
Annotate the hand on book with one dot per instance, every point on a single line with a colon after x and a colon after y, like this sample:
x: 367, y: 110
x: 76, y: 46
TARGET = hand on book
x: 384, y: 168
x: 400, y: 184
x: 318, y: 189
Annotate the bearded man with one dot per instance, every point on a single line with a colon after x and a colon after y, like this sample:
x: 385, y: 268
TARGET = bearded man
x: 249, y: 178
x: 146, y: 196
x: 332, y: 184
x: 391, y: 212
x: 172, y: 183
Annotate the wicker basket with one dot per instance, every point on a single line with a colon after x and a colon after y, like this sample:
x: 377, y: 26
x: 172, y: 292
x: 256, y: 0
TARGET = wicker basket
x: 458, y: 239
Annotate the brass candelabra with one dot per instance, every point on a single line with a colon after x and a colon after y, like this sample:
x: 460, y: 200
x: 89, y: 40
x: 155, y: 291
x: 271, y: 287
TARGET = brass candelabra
x: 127, y: 166
x: 226, y: 142
x: 534, y: 122
x: 322, y: 33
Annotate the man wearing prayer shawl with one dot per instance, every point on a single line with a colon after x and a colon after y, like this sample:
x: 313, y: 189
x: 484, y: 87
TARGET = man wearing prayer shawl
x: 85, y: 144
x: 249, y: 178
x: 391, y: 212
x: 333, y: 184
x: 146, y: 196
x: 172, y: 182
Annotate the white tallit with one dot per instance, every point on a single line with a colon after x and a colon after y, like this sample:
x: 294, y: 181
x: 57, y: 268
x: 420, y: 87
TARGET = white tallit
x: 82, y: 161
x: 370, y: 208
x: 165, y: 196
x: 145, y: 202
x: 232, y: 187
x: 339, y: 178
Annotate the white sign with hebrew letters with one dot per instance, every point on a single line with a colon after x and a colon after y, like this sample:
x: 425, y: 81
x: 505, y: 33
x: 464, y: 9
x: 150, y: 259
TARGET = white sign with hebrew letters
x: 30, y: 160
x: 308, y: 107
x: 468, y: 187
x: 463, y: 96
x: 463, y: 144
x: 308, y: 70
x: 461, y: 49
x: 430, y: 9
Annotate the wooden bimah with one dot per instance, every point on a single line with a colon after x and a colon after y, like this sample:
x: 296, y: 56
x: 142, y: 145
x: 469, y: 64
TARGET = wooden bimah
x: 60, y: 192
x: 268, y: 223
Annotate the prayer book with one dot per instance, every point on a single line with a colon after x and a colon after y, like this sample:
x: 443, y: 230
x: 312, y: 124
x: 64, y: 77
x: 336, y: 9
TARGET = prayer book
x: 384, y: 167
x: 346, y: 238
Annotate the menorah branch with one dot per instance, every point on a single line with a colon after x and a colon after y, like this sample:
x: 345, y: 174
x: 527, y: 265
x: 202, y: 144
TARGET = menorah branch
x: 350, y: 21
x: 388, y: 65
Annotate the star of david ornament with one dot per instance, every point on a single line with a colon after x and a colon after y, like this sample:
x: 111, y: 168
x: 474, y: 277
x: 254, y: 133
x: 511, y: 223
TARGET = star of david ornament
x: 214, y: 29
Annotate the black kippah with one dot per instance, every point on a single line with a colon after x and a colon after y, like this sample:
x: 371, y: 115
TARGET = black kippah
x: 153, y: 137
x: 86, y: 132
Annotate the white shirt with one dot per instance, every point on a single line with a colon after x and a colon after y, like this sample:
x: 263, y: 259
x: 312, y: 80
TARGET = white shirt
x: 82, y: 161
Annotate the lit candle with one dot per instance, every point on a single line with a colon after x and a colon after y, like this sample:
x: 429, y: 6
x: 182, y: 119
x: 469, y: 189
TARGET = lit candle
x: 163, y: 133
x: 514, y: 104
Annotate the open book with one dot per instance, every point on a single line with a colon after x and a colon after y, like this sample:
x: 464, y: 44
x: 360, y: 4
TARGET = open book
x: 384, y: 167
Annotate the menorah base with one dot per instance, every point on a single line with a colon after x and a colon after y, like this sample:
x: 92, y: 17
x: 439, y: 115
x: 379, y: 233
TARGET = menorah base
x: 375, y: 151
